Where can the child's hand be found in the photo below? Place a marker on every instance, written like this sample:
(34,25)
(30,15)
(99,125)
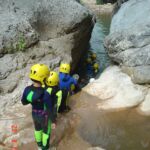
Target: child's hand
(53,126)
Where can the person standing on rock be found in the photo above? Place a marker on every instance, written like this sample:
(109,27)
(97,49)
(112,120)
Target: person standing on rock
(92,65)
(89,67)
(95,68)
(53,92)
(42,113)
(65,82)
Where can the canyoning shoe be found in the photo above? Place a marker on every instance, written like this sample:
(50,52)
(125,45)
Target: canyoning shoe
(39,145)
(45,148)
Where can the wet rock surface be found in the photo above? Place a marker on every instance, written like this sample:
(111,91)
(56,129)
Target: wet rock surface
(128,42)
(86,127)
(67,135)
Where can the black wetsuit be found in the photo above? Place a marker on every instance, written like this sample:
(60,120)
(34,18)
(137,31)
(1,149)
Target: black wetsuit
(42,112)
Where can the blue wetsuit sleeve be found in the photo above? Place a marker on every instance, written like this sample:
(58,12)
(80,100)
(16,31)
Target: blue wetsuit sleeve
(23,99)
(47,101)
(29,96)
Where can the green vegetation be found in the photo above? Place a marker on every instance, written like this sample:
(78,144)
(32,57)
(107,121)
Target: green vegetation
(21,43)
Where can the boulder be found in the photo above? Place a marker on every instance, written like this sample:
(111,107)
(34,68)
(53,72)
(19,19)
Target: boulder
(35,31)
(116,90)
(24,23)
(128,43)
(144,108)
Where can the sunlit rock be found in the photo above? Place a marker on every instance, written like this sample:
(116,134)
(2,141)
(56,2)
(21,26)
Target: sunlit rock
(145,106)
(115,89)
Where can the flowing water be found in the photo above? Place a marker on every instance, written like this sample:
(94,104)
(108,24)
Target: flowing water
(100,30)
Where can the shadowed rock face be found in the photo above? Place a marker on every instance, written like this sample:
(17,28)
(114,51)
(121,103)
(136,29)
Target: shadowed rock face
(36,31)
(128,43)
(118,5)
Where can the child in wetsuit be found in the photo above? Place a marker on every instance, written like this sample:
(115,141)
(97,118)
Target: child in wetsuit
(53,91)
(65,82)
(42,112)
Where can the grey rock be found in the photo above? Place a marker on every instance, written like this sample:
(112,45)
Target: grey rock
(36,31)
(116,90)
(12,62)
(7,65)
(6,87)
(128,43)
(15,31)
(139,74)
(24,23)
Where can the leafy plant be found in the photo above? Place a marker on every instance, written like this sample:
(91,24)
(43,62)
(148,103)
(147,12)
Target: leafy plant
(21,43)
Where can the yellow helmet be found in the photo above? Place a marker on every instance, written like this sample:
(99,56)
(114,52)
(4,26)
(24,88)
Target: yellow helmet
(64,68)
(88,60)
(53,79)
(39,72)
(72,87)
(96,66)
(93,56)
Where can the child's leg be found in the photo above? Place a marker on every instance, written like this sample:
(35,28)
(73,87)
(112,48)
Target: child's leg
(46,133)
(67,103)
(38,129)
(62,107)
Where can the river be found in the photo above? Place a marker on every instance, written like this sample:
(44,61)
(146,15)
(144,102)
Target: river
(100,30)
